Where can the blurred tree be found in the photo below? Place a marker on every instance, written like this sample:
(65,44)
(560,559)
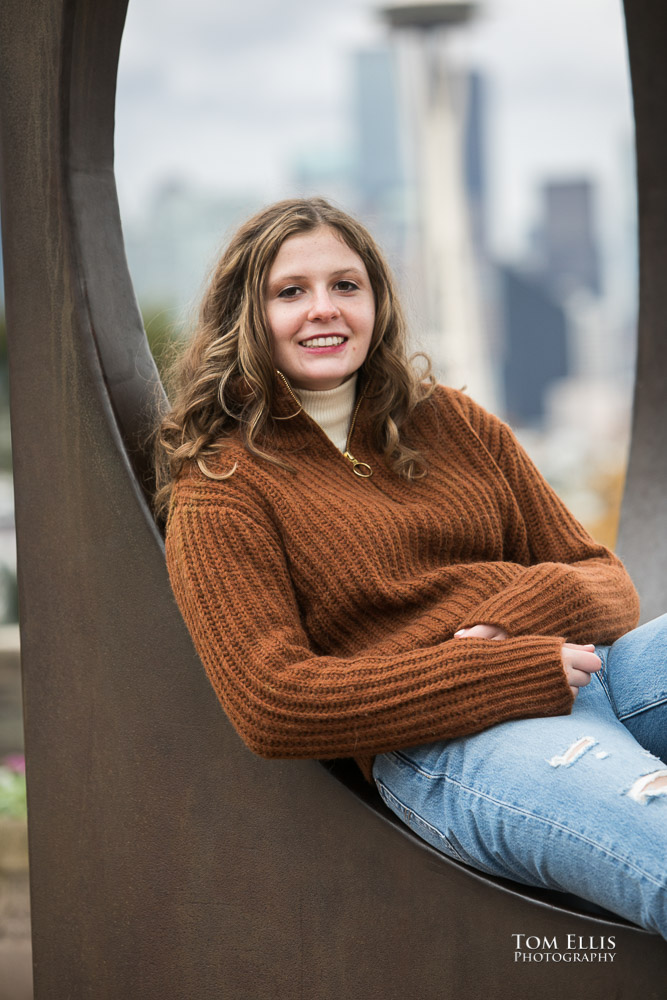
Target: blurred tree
(9,596)
(165,336)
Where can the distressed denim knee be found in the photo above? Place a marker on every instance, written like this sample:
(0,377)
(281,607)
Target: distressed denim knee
(571,803)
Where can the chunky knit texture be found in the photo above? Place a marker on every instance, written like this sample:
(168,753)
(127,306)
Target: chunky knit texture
(324,606)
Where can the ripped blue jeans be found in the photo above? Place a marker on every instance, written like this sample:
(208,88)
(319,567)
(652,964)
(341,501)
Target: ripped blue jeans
(576,803)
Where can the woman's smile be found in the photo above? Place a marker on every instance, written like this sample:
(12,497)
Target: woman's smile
(329,343)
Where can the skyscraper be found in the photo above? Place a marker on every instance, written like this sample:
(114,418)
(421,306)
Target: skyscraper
(567,238)
(535,344)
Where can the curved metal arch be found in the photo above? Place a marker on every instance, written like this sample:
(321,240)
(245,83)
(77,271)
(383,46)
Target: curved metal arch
(642,542)
(133,388)
(166,859)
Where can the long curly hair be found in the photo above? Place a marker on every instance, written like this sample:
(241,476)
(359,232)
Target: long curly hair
(223,383)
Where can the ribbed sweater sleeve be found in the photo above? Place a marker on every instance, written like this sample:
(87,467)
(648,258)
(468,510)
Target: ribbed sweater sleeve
(575,587)
(231,580)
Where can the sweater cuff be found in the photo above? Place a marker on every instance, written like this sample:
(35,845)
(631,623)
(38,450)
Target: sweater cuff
(535,603)
(529,676)
(530,683)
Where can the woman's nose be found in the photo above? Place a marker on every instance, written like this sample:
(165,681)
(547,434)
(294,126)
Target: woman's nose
(322,306)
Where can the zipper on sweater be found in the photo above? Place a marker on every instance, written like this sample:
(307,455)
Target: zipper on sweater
(359,468)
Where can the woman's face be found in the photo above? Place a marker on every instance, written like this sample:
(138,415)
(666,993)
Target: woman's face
(320,308)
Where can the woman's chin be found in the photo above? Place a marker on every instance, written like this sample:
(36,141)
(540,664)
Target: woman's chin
(320,377)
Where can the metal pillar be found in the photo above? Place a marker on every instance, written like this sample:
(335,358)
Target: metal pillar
(642,540)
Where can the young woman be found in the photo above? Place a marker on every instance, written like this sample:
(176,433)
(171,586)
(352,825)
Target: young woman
(370,566)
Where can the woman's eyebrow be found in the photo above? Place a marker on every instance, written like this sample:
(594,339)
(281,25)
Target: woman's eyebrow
(349,270)
(287,279)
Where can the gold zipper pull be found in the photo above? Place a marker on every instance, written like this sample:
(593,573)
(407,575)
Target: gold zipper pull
(359,468)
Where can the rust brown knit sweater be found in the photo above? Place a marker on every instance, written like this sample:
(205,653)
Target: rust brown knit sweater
(323,606)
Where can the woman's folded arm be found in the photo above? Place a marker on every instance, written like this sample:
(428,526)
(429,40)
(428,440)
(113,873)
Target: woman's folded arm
(231,581)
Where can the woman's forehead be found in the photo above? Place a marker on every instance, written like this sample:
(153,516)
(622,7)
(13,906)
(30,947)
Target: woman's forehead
(320,248)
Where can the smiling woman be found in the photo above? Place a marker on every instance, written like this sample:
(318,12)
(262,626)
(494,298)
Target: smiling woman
(371,567)
(297,273)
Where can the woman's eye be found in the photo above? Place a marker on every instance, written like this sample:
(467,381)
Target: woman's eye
(347,286)
(289,293)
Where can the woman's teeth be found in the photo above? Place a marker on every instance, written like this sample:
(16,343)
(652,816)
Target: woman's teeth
(323,342)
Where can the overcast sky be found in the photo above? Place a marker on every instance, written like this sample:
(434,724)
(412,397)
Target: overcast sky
(227,94)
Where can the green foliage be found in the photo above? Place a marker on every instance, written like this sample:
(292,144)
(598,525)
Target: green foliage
(164,336)
(9,596)
(12,793)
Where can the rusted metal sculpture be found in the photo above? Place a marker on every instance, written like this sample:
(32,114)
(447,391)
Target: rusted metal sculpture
(166,860)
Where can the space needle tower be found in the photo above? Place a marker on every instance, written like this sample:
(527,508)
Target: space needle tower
(447,268)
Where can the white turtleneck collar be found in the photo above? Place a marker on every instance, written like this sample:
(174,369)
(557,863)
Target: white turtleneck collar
(331,409)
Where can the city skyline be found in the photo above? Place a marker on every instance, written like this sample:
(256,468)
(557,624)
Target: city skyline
(231,100)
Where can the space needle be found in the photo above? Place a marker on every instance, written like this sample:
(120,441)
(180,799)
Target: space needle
(447,267)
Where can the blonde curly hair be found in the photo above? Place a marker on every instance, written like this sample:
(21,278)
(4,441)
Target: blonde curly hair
(223,382)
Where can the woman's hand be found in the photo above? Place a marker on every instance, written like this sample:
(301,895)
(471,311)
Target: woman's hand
(481,632)
(579,662)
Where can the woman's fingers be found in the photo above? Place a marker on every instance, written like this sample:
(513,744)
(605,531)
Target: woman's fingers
(481,632)
(580,657)
(579,663)
(577,678)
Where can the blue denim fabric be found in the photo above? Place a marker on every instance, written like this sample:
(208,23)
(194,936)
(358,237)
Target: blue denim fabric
(510,802)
